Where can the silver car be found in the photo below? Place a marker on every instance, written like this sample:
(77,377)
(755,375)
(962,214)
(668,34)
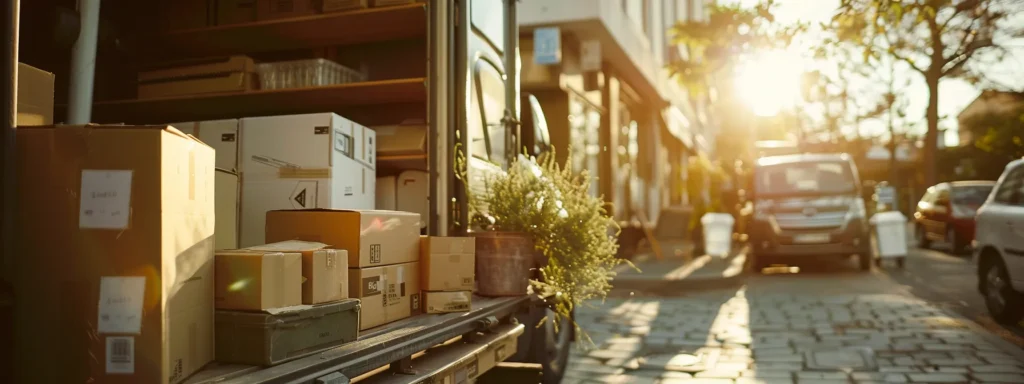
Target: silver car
(999,246)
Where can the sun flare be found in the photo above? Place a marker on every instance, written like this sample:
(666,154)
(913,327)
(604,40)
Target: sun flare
(770,82)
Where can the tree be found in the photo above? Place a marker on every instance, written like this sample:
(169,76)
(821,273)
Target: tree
(936,38)
(1000,134)
(714,47)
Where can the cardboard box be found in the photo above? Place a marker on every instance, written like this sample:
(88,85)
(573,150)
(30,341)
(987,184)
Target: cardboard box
(283,9)
(222,135)
(387,293)
(372,238)
(114,274)
(176,15)
(35,96)
(344,5)
(198,76)
(324,271)
(447,302)
(226,208)
(255,279)
(301,162)
(403,139)
(236,11)
(448,263)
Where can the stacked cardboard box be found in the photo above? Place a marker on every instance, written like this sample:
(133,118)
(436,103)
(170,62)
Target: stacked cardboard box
(114,277)
(280,301)
(383,255)
(303,161)
(448,273)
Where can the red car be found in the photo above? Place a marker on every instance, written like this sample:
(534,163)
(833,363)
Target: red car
(946,213)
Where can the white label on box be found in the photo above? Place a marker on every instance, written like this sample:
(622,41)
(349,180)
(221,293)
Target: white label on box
(106,199)
(121,355)
(120,308)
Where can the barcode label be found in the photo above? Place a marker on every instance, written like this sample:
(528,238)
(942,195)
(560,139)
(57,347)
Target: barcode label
(121,355)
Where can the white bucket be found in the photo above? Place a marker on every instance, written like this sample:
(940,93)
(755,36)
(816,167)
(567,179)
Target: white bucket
(891,233)
(717,233)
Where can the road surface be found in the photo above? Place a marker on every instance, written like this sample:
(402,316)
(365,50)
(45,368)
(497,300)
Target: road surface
(812,324)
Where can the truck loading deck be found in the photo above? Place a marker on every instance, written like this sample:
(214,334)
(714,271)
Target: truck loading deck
(490,322)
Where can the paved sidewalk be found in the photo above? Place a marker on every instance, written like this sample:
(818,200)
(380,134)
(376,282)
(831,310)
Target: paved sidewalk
(739,337)
(675,273)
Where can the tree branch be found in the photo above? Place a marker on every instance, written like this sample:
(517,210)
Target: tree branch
(898,56)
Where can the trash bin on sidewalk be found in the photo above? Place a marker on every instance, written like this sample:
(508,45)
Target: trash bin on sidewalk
(717,233)
(891,236)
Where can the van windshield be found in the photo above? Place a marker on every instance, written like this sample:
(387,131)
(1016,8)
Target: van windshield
(805,178)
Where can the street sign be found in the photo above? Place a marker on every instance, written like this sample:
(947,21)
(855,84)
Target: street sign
(590,56)
(547,46)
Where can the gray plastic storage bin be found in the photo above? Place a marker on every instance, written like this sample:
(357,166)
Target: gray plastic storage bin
(279,335)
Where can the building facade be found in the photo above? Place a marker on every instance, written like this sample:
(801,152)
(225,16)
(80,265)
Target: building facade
(598,69)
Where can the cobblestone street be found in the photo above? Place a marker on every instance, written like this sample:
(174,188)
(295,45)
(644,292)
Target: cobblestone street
(835,327)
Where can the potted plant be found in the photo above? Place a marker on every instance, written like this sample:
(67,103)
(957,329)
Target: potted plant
(573,239)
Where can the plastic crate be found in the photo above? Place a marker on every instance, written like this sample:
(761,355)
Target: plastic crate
(306,73)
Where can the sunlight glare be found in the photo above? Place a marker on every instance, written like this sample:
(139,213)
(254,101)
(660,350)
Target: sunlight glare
(770,82)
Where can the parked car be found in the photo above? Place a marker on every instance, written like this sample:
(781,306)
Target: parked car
(999,248)
(946,213)
(808,206)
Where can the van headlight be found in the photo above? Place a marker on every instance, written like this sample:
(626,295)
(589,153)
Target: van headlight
(857,210)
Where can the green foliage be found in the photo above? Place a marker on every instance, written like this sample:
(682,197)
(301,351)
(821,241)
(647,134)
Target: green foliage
(728,35)
(571,228)
(935,38)
(999,134)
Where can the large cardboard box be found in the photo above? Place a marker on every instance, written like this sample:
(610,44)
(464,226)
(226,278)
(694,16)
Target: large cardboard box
(448,263)
(300,162)
(35,96)
(114,274)
(372,238)
(222,135)
(387,293)
(447,302)
(324,271)
(257,279)
(226,201)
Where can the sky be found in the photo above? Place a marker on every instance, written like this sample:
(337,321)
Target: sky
(954,94)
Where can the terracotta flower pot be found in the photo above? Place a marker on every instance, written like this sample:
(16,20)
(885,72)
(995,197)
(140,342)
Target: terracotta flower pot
(504,263)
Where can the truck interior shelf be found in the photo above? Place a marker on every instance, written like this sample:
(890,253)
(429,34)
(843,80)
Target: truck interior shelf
(364,102)
(376,347)
(329,29)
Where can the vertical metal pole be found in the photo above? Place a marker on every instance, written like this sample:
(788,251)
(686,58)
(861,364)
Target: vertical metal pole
(512,142)
(9,86)
(459,109)
(83,64)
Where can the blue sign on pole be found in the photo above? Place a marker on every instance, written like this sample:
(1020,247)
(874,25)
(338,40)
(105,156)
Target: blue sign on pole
(547,46)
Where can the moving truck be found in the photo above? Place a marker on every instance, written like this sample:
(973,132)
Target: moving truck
(443,69)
